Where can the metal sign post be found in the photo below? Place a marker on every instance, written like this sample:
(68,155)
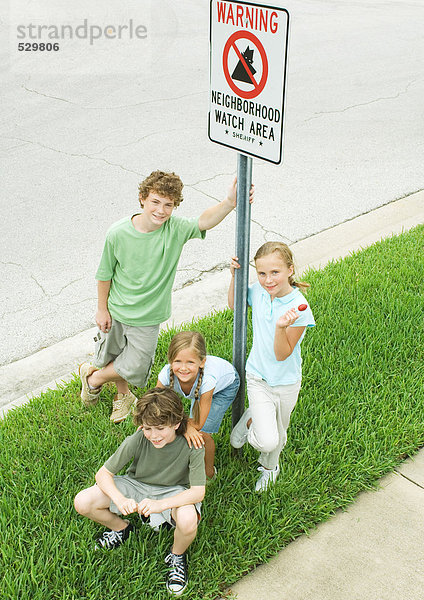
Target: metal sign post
(241,283)
(248,59)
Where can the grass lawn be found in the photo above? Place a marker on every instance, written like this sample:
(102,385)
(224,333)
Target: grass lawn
(360,412)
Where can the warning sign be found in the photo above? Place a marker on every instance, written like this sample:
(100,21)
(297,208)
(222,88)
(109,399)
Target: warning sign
(248,57)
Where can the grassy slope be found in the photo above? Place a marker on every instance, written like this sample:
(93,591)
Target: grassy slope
(360,412)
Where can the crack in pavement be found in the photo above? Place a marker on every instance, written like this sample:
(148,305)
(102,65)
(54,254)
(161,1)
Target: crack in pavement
(330,112)
(74,154)
(409,479)
(209,179)
(140,139)
(46,294)
(215,269)
(111,107)
(265,230)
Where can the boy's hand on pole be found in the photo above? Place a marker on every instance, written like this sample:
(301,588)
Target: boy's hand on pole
(103,320)
(232,193)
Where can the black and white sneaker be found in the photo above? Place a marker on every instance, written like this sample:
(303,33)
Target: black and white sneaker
(110,540)
(177,578)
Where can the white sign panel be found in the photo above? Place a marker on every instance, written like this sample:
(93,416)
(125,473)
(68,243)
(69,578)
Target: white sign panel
(248,57)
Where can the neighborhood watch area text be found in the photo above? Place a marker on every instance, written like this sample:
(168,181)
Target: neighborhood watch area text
(247,108)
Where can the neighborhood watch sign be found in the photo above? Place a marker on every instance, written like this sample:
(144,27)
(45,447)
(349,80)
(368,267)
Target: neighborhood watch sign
(248,57)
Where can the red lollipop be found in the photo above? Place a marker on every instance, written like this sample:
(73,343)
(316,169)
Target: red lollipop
(302,307)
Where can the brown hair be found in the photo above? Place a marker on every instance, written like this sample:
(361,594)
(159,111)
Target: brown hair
(196,342)
(160,406)
(168,185)
(286,255)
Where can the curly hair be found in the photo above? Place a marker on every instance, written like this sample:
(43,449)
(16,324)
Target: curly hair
(168,185)
(160,406)
(286,256)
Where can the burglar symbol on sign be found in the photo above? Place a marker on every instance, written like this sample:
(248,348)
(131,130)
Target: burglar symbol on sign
(240,72)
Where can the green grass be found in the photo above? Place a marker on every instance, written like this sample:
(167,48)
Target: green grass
(361,411)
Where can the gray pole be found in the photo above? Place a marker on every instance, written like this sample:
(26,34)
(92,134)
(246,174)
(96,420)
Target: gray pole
(244,181)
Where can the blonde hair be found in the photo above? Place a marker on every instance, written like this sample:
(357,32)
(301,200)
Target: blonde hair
(196,342)
(160,406)
(286,256)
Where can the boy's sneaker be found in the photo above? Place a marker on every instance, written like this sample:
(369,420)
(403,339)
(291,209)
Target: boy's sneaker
(121,406)
(89,396)
(267,478)
(177,578)
(110,540)
(238,435)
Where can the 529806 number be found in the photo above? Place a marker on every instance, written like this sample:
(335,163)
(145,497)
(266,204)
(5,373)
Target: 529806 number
(38,47)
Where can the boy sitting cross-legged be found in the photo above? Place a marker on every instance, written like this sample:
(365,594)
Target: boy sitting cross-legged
(166,479)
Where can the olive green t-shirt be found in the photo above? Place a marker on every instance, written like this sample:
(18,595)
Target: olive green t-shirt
(142,266)
(174,464)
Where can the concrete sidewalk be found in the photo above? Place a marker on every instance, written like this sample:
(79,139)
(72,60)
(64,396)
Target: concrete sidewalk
(372,551)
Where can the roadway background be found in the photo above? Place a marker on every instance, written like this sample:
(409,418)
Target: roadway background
(79,134)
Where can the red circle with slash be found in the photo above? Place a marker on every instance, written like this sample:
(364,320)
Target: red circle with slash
(258,86)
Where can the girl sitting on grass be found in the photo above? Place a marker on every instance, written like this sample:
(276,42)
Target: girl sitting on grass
(209,381)
(280,316)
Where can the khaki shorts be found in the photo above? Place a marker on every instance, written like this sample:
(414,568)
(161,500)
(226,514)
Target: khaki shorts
(131,349)
(137,490)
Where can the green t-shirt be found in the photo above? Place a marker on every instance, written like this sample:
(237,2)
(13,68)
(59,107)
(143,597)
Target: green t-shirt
(141,267)
(174,464)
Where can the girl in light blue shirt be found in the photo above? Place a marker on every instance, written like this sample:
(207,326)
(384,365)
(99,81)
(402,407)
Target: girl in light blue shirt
(280,316)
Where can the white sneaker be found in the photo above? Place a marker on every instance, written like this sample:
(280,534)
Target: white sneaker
(268,476)
(238,435)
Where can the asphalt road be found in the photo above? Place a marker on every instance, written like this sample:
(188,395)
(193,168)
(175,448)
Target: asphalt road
(80,128)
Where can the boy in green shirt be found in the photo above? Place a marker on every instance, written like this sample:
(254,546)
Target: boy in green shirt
(166,479)
(135,278)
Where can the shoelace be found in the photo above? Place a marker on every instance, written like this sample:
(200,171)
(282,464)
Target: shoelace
(266,472)
(117,404)
(177,570)
(110,537)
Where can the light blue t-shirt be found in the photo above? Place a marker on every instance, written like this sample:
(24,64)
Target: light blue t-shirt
(218,374)
(265,314)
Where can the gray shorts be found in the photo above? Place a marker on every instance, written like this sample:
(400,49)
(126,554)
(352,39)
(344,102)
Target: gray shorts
(131,349)
(137,490)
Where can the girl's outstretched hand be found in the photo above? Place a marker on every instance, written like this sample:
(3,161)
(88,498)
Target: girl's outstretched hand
(288,318)
(194,437)
(234,264)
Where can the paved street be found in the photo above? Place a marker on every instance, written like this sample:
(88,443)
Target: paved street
(79,133)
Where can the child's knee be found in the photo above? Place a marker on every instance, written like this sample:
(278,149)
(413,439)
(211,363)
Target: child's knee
(186,519)
(83,503)
(267,443)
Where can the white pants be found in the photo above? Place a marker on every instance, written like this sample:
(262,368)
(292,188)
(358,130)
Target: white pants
(270,408)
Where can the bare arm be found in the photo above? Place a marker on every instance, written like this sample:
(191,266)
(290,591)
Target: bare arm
(104,480)
(286,337)
(193,435)
(194,494)
(215,214)
(103,318)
